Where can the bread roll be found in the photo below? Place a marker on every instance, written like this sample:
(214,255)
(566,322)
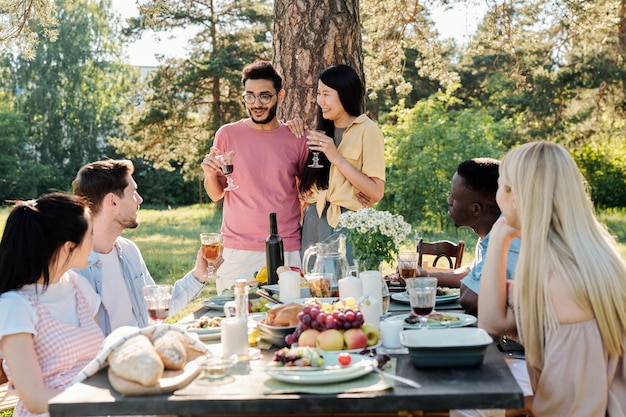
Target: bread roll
(137,360)
(172,348)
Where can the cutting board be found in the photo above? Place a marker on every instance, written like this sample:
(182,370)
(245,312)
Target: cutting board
(169,382)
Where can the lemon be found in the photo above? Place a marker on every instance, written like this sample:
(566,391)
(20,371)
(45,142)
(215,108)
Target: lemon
(261,276)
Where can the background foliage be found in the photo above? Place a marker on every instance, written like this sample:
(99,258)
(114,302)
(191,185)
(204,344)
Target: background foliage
(535,69)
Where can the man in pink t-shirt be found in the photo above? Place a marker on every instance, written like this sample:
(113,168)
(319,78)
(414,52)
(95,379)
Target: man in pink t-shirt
(267,162)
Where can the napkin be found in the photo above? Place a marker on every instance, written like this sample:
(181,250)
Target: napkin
(120,335)
(256,382)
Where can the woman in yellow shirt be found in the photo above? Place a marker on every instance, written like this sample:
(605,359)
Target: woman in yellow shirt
(351,152)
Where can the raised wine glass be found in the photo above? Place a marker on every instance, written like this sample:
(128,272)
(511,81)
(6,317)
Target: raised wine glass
(227,169)
(211,245)
(157,298)
(422,293)
(316,155)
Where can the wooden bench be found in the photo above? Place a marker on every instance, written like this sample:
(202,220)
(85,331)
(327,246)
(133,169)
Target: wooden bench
(7,400)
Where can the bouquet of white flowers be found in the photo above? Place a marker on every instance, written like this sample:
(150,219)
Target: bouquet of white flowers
(376,236)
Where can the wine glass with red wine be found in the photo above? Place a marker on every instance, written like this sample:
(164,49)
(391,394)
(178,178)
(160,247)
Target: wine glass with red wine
(227,169)
(422,293)
(211,245)
(157,298)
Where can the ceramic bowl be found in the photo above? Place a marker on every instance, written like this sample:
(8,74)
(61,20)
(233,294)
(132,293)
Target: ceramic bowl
(275,334)
(457,347)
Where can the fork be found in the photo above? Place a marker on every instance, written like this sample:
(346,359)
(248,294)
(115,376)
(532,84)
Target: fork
(402,379)
(382,363)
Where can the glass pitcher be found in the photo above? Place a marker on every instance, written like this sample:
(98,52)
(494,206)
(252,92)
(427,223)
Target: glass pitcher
(330,258)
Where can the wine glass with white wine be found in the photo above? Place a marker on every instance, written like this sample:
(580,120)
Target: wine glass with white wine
(211,245)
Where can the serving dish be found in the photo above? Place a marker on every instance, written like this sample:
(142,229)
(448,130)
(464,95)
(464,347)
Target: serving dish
(462,347)
(275,334)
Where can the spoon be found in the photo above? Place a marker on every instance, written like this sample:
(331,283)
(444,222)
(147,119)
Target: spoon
(265,295)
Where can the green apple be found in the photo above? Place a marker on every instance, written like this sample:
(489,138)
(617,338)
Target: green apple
(372,333)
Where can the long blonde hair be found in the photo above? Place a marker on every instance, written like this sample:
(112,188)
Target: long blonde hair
(562,236)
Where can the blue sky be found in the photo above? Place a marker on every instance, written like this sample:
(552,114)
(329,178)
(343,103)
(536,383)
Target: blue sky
(458,23)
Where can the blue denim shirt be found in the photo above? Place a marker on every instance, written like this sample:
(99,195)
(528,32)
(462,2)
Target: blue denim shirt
(136,276)
(472,279)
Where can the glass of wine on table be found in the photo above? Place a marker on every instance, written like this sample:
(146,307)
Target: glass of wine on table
(422,293)
(227,169)
(157,298)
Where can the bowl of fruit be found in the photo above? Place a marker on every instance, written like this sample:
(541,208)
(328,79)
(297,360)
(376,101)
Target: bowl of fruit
(339,326)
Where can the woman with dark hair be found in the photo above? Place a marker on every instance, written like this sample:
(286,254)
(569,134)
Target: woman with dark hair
(351,152)
(47,327)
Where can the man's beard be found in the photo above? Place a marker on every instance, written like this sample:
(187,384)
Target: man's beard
(129,223)
(268,119)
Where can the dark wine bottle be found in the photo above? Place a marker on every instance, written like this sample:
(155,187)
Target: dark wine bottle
(274,254)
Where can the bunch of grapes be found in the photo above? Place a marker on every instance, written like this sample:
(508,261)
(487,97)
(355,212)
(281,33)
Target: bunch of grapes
(323,318)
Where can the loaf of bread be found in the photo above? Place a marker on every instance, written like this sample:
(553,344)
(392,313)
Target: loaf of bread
(172,348)
(137,360)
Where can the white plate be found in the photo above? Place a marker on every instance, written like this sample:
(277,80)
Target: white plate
(214,333)
(359,366)
(337,352)
(464,320)
(403,297)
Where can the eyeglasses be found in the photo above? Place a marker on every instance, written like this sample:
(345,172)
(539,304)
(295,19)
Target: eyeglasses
(264,98)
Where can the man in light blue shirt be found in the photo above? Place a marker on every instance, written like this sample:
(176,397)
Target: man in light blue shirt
(472,203)
(116,269)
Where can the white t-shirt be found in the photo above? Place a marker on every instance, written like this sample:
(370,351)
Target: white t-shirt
(17,314)
(115,297)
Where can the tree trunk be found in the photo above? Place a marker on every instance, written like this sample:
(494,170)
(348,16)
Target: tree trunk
(309,36)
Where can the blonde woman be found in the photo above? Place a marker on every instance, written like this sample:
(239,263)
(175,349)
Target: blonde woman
(568,301)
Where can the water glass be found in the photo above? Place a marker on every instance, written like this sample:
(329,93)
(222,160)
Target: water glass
(157,298)
(407,264)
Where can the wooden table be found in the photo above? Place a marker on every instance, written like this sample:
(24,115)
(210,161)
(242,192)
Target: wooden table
(489,386)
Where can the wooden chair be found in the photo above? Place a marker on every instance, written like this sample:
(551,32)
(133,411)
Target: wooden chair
(441,249)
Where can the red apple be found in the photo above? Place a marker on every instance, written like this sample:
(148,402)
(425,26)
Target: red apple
(331,339)
(308,338)
(355,339)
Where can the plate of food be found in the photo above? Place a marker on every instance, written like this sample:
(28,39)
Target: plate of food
(437,320)
(207,328)
(307,366)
